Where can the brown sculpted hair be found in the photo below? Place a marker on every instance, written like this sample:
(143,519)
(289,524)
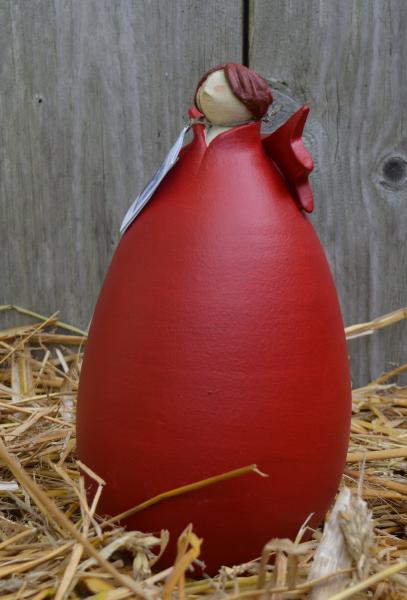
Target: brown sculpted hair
(247,85)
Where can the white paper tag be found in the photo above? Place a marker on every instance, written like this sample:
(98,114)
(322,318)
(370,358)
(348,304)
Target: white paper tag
(167,164)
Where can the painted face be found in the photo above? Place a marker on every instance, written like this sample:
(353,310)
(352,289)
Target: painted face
(218,103)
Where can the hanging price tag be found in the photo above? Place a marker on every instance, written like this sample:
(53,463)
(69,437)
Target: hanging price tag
(167,164)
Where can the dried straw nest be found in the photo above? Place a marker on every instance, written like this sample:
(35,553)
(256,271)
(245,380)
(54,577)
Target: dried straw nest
(52,544)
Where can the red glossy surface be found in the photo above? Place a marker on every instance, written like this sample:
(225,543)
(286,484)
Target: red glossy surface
(217,342)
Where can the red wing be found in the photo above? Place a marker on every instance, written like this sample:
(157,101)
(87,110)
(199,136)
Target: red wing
(284,146)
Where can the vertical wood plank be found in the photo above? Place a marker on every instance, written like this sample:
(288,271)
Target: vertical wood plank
(347,60)
(92,95)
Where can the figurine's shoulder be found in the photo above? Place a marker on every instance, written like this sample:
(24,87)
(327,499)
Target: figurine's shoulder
(284,146)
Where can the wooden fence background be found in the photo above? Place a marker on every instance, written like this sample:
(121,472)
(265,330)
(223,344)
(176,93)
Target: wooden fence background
(93,93)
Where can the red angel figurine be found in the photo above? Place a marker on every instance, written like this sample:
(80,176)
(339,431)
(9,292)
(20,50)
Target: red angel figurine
(217,340)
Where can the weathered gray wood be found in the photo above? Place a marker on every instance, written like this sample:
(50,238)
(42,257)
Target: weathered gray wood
(347,60)
(92,94)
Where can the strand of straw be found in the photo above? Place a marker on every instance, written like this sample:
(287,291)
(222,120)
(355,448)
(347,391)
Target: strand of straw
(373,579)
(370,326)
(376,455)
(190,487)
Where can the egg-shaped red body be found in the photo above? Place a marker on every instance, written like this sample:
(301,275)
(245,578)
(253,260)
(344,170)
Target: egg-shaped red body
(217,342)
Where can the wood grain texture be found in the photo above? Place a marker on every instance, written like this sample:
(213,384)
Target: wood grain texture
(92,96)
(93,93)
(347,60)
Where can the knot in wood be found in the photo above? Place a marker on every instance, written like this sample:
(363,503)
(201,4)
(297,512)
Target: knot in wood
(393,172)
